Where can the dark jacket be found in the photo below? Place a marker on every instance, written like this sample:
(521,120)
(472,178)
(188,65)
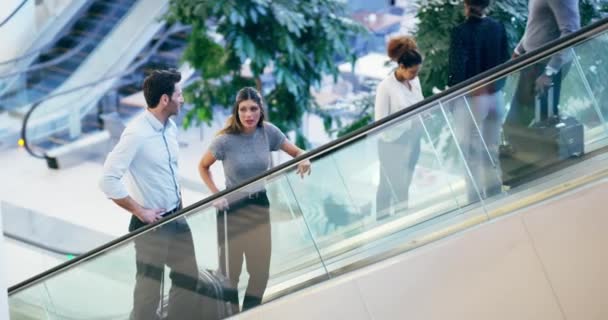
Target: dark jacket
(477,45)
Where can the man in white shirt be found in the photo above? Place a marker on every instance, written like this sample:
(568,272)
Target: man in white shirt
(147,152)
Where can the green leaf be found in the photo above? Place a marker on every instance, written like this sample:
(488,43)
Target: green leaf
(299,39)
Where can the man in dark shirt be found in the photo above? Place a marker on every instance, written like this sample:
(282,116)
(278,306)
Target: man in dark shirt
(477,45)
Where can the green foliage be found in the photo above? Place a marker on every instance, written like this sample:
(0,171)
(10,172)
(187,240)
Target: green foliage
(592,10)
(513,14)
(364,120)
(364,106)
(438,18)
(300,40)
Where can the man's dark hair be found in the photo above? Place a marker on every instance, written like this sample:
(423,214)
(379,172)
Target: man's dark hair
(479,3)
(477,7)
(160,82)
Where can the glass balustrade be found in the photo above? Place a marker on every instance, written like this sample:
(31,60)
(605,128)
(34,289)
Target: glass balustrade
(414,179)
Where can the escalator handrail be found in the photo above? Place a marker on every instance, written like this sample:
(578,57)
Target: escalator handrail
(482,79)
(7,19)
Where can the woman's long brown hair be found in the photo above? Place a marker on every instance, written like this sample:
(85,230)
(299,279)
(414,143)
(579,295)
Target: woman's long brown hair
(233,124)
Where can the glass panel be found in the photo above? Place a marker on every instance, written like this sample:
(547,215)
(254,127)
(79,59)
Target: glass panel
(294,253)
(577,102)
(109,277)
(387,183)
(423,176)
(33,304)
(477,124)
(194,252)
(547,126)
(325,200)
(592,67)
(440,131)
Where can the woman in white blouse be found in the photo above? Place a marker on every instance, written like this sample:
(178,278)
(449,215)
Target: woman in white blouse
(398,145)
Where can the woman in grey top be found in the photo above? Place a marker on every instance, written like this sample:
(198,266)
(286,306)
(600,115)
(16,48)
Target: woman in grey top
(244,147)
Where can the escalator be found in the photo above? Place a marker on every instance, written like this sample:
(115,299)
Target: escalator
(67,53)
(103,41)
(324,226)
(163,51)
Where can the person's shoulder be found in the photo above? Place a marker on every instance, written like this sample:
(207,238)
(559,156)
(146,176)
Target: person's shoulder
(458,29)
(387,81)
(271,127)
(138,126)
(222,137)
(417,84)
(417,81)
(494,23)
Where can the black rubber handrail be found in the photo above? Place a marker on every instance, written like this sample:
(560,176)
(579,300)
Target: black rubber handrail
(480,80)
(6,20)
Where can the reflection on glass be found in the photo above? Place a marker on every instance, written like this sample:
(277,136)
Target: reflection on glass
(412,181)
(477,120)
(398,154)
(592,117)
(591,64)
(325,200)
(548,120)
(32,304)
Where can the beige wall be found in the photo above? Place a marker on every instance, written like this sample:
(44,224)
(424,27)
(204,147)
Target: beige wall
(545,262)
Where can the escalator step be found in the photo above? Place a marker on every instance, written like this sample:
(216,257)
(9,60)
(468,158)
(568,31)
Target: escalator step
(49,83)
(59,70)
(172,57)
(38,91)
(103,17)
(47,75)
(115,9)
(68,65)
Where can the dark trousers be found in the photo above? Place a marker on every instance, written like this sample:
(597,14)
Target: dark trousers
(397,163)
(523,105)
(247,222)
(169,245)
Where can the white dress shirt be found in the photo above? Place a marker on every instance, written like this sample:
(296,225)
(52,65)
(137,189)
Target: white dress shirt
(148,152)
(391,96)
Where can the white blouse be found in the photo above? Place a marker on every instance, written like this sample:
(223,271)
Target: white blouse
(392,96)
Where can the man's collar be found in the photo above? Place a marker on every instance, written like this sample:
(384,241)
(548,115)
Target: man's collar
(153,121)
